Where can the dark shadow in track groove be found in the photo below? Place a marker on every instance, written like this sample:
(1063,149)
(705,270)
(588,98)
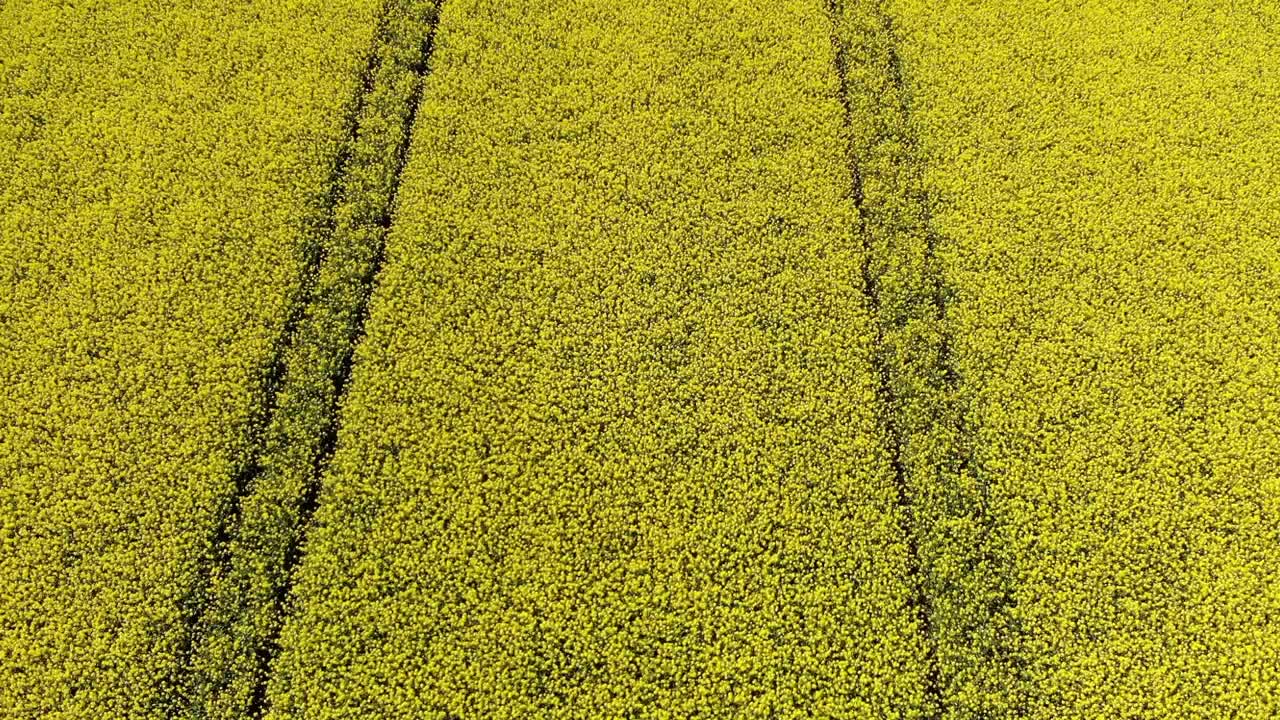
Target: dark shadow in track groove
(963,617)
(230,647)
(919,600)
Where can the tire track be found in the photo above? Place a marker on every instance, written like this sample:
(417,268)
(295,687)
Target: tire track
(234,640)
(964,597)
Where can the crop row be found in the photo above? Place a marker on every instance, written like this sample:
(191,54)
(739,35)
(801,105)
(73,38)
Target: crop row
(161,192)
(613,443)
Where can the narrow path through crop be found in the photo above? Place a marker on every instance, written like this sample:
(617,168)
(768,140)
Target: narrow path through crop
(234,640)
(920,601)
(893,432)
(962,588)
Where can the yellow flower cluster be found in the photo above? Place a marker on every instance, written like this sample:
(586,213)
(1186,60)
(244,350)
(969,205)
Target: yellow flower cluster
(1103,180)
(163,168)
(613,443)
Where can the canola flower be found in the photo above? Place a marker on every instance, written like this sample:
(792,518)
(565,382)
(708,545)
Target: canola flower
(836,358)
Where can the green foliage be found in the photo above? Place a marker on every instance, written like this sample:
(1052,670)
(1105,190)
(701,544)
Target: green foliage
(612,446)
(160,192)
(1103,182)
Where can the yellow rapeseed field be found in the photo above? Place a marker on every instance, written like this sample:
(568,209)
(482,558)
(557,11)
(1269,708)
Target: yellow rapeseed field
(612,448)
(471,359)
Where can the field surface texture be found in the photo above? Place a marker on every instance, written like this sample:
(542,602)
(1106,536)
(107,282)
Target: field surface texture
(457,359)
(613,429)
